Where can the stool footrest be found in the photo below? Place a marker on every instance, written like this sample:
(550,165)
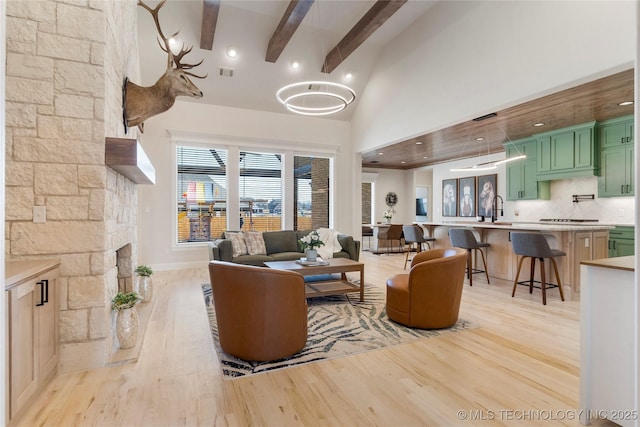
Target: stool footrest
(547,285)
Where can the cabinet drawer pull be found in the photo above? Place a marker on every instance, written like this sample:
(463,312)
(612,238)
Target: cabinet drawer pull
(46,290)
(628,139)
(609,244)
(622,189)
(42,299)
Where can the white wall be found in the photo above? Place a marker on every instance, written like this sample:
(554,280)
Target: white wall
(468,58)
(191,122)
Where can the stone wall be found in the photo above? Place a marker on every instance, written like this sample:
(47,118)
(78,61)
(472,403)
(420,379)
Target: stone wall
(65,65)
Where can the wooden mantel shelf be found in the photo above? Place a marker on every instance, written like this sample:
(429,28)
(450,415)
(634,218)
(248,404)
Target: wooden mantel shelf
(126,156)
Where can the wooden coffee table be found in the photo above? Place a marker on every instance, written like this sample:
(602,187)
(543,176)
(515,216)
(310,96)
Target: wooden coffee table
(326,287)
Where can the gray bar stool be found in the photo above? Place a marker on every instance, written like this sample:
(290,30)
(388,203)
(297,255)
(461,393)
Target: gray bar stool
(465,239)
(535,245)
(414,234)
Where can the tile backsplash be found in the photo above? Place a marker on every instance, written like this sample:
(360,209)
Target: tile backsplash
(613,210)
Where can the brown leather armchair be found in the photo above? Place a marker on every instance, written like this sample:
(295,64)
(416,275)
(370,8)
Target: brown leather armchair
(261,313)
(429,296)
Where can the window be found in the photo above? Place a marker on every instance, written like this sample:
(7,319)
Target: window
(311,192)
(201,193)
(205,188)
(260,191)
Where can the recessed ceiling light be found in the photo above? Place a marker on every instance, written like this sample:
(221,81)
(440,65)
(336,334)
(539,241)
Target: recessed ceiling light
(538,124)
(418,142)
(173,42)
(232,52)
(380,153)
(479,138)
(425,157)
(348,76)
(295,64)
(624,103)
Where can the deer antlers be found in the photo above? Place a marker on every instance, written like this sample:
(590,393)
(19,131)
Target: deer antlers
(165,46)
(140,103)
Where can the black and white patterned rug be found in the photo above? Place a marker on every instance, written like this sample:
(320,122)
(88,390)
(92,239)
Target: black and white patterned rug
(338,325)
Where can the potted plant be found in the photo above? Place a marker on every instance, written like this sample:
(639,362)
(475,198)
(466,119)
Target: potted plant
(309,244)
(126,318)
(144,285)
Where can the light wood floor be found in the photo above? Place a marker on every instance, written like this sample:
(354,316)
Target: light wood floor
(519,366)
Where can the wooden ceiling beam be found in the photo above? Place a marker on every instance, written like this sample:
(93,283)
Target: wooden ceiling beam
(210,9)
(368,24)
(293,16)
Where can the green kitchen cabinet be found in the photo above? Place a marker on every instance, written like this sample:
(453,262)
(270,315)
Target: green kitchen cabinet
(616,132)
(522,182)
(621,241)
(616,174)
(616,158)
(567,153)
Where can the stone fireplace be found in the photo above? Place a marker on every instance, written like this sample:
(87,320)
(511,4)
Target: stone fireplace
(66,62)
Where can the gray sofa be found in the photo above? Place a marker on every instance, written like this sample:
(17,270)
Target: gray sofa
(281,246)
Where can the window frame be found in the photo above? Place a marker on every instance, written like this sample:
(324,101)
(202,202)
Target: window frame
(233,149)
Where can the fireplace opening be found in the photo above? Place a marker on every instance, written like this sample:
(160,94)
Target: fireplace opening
(125,269)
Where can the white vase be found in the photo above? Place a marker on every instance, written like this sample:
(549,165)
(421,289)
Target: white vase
(311,255)
(127,327)
(145,288)
(387,220)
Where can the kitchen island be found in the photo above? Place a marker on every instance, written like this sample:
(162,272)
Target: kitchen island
(580,241)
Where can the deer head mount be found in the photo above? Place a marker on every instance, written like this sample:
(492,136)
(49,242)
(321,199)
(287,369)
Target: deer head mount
(140,103)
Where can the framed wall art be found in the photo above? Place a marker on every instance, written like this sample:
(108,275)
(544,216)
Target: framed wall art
(487,190)
(467,196)
(449,197)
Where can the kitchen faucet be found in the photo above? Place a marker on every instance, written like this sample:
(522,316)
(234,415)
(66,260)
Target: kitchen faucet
(494,208)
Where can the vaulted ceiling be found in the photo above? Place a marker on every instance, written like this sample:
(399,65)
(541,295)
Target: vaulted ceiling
(330,39)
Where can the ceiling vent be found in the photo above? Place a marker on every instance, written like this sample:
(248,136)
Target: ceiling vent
(225,72)
(485,117)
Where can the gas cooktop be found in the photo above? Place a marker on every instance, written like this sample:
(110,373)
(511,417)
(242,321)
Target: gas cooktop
(569,220)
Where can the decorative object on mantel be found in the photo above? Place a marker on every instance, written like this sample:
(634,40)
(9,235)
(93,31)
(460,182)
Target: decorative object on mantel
(310,243)
(144,284)
(140,103)
(582,197)
(126,319)
(126,156)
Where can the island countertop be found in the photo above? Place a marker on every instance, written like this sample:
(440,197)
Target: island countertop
(530,226)
(626,263)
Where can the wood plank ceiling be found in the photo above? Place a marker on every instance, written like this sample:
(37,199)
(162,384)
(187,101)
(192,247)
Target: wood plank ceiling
(594,101)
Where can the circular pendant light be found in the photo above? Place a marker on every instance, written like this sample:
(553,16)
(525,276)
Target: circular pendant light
(315,98)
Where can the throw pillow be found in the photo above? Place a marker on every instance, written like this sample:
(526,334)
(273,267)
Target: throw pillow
(238,243)
(255,243)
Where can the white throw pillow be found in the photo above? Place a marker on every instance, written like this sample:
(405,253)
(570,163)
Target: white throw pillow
(255,243)
(237,242)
